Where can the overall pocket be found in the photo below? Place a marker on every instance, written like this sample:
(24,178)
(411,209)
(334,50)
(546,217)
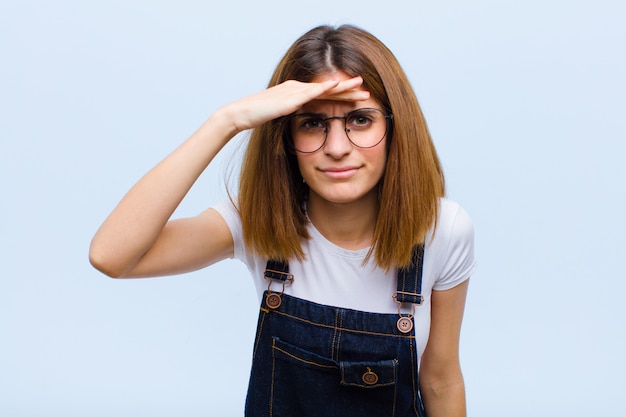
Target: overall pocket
(307,384)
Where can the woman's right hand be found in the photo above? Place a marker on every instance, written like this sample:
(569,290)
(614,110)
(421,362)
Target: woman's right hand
(287,97)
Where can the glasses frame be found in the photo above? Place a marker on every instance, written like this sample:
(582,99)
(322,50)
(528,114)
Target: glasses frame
(388,118)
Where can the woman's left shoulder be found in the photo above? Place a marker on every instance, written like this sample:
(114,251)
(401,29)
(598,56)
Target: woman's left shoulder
(453,220)
(451,248)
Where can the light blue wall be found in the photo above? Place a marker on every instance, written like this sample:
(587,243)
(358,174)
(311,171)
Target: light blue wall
(525,101)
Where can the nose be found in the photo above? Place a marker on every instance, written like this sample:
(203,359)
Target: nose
(337,142)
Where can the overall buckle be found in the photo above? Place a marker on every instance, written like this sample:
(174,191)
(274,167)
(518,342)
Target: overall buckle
(405,323)
(274,299)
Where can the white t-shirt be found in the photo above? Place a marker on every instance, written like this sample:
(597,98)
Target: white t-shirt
(335,276)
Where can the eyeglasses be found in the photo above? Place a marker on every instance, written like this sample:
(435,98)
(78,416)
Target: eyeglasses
(365,128)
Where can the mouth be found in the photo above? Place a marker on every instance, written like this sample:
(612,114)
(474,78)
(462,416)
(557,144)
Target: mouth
(340,173)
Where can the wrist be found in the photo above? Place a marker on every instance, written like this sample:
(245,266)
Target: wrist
(225,118)
(220,126)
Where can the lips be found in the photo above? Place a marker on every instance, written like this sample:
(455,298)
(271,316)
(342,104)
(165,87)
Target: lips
(340,172)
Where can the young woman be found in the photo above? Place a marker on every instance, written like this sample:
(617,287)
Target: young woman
(360,262)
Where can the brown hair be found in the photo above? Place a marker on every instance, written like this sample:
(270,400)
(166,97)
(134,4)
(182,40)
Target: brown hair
(271,191)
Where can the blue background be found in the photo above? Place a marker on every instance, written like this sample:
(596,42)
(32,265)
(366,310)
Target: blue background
(525,101)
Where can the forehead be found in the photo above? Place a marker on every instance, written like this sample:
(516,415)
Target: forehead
(336,107)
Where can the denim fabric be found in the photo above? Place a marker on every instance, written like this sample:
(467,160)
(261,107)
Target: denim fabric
(320,361)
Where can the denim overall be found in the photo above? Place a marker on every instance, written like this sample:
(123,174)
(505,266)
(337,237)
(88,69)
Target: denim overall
(322,361)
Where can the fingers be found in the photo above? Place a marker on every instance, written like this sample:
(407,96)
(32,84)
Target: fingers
(347,90)
(350,95)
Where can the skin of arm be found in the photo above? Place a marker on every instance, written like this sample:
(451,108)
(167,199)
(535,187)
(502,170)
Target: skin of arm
(138,239)
(441,380)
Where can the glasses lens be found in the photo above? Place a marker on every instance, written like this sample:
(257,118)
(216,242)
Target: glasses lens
(308,131)
(365,128)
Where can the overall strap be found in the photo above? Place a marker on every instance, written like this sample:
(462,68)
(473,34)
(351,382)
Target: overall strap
(409,286)
(410,279)
(277,270)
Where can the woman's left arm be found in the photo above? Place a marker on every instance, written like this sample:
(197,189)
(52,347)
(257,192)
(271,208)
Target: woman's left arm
(441,380)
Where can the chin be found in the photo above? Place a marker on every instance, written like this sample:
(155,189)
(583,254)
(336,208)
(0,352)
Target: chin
(343,196)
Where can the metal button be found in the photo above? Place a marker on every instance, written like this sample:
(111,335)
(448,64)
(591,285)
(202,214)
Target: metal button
(369,377)
(405,324)
(273,300)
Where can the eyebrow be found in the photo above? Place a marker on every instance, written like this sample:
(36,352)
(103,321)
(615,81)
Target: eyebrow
(325,115)
(308,114)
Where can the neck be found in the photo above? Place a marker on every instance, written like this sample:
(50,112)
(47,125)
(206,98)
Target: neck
(348,225)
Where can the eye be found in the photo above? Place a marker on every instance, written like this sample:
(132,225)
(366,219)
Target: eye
(310,124)
(360,120)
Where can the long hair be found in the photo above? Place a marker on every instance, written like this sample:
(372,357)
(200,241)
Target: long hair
(272,194)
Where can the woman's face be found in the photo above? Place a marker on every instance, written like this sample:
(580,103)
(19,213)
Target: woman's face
(340,172)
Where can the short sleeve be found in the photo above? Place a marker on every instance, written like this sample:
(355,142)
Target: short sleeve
(457,259)
(229,213)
